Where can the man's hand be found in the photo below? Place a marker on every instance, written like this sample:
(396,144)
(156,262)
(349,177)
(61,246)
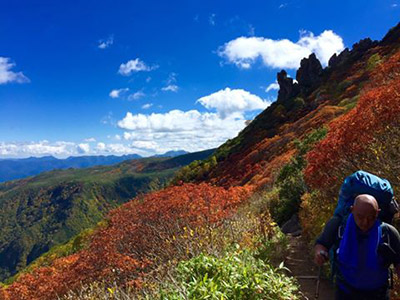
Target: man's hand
(321,254)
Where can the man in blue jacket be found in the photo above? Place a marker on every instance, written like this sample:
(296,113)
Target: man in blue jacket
(363,251)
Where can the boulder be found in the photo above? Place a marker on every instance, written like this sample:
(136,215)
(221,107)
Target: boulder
(292,226)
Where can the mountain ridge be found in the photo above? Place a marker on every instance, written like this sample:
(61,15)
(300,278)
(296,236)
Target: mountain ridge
(16,168)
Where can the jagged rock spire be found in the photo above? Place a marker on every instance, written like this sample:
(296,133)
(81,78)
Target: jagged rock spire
(309,74)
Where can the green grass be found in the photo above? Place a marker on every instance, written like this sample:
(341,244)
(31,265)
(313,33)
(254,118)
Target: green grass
(237,275)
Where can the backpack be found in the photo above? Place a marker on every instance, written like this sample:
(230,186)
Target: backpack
(358,183)
(362,182)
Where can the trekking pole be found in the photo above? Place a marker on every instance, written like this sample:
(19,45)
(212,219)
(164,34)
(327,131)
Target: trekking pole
(318,280)
(325,254)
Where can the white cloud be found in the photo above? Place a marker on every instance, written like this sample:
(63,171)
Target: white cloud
(172,88)
(176,129)
(282,54)
(136,96)
(89,140)
(122,93)
(211,19)
(191,130)
(394,5)
(117,137)
(108,119)
(101,146)
(149,145)
(135,65)
(148,79)
(83,148)
(170,83)
(62,149)
(228,102)
(172,78)
(147,105)
(8,76)
(272,86)
(118,93)
(252,30)
(283,5)
(41,148)
(104,44)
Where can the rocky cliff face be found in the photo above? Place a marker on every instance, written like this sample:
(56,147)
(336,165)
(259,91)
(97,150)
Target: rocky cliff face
(308,77)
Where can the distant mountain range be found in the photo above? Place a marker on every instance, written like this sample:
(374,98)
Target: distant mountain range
(11,169)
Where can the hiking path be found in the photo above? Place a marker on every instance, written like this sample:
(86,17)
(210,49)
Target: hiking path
(300,262)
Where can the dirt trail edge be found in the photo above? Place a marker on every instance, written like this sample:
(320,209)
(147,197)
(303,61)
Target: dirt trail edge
(300,263)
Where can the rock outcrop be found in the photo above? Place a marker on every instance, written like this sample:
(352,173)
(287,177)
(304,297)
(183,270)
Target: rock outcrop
(347,56)
(287,89)
(309,75)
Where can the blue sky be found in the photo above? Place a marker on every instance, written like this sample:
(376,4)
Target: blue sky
(115,77)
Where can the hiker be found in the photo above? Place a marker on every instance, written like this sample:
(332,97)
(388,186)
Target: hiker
(361,261)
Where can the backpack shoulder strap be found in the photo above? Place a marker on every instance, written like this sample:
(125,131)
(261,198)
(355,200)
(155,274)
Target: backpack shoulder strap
(385,236)
(385,249)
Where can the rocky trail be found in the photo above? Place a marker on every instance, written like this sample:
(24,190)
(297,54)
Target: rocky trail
(300,262)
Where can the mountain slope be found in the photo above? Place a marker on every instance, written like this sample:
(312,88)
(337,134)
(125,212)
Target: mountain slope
(46,210)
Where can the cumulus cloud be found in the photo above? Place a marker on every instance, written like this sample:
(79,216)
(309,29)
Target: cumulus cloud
(170,88)
(104,44)
(118,93)
(228,102)
(7,75)
(176,129)
(191,130)
(282,54)
(135,65)
(272,86)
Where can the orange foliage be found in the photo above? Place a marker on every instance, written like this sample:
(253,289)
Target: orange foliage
(132,243)
(259,164)
(378,107)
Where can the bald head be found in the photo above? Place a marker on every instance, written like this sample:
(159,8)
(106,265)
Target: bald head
(367,201)
(365,211)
